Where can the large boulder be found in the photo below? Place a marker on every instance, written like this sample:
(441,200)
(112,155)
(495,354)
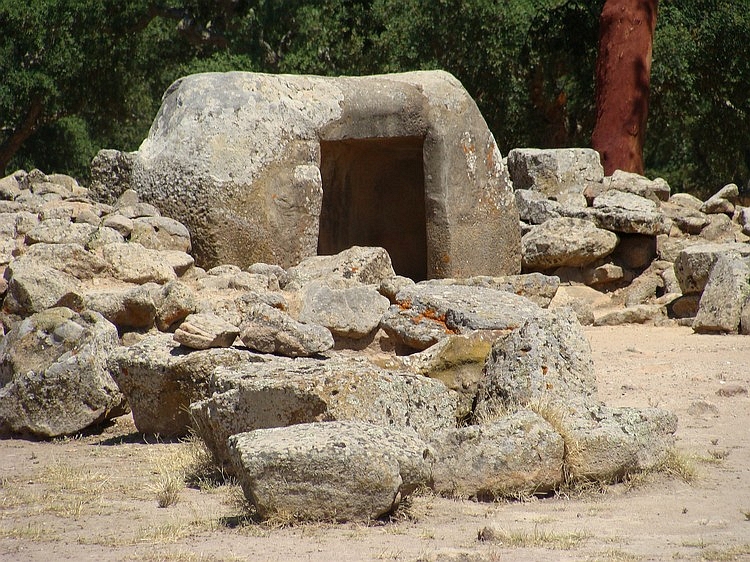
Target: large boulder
(160,379)
(53,375)
(335,471)
(515,454)
(280,392)
(274,168)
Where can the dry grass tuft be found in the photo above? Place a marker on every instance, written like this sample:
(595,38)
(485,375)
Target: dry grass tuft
(538,538)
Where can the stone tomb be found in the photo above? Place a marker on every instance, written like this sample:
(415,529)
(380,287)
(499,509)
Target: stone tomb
(277,168)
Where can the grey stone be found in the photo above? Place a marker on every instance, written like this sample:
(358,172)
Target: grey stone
(353,312)
(426,313)
(241,159)
(161,379)
(686,200)
(281,391)
(724,296)
(638,314)
(565,242)
(536,287)
(602,275)
(160,233)
(354,266)
(636,184)
(606,444)
(9,188)
(335,471)
(722,201)
(33,287)
(534,207)
(624,212)
(70,258)
(687,219)
(53,375)
(57,231)
(133,263)
(269,330)
(720,229)
(126,307)
(513,455)
(548,359)
(553,171)
(203,331)
(694,263)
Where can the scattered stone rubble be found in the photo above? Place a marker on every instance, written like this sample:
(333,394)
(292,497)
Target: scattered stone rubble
(334,388)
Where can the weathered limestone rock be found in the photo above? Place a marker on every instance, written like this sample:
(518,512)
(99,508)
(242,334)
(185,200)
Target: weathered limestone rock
(554,171)
(174,303)
(160,233)
(242,160)
(516,454)
(636,184)
(534,207)
(353,312)
(269,330)
(339,471)
(548,359)
(70,258)
(427,313)
(352,267)
(33,287)
(688,219)
(161,379)
(606,443)
(203,331)
(282,391)
(458,362)
(53,375)
(624,212)
(56,231)
(722,201)
(637,314)
(694,263)
(133,263)
(565,242)
(127,307)
(536,287)
(724,296)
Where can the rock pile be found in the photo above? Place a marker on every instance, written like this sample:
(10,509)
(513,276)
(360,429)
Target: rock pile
(334,388)
(654,255)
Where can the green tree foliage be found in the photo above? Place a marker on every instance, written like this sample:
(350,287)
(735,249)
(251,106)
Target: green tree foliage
(89,74)
(698,134)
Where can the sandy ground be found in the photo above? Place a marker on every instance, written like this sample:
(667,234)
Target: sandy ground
(95,497)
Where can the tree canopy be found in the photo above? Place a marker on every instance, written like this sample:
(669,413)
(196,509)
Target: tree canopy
(80,75)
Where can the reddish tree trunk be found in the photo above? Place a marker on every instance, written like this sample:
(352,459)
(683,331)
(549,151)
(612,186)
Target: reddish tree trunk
(623,71)
(24,130)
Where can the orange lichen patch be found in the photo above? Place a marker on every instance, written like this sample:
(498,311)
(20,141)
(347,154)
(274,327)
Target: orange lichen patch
(433,316)
(490,158)
(405,305)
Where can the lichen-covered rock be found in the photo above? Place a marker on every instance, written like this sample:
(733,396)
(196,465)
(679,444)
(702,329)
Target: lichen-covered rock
(160,379)
(355,266)
(565,242)
(203,331)
(353,312)
(519,453)
(236,157)
(724,296)
(548,359)
(694,263)
(335,471)
(133,263)
(426,313)
(34,287)
(281,391)
(269,330)
(553,171)
(53,375)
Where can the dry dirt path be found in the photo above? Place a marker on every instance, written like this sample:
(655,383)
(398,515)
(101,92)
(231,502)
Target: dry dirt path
(95,498)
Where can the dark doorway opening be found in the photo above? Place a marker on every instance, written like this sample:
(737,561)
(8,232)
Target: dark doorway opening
(373,195)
